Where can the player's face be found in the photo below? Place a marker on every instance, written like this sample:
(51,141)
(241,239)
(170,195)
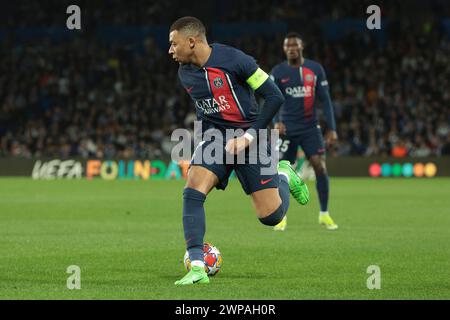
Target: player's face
(293,48)
(180,47)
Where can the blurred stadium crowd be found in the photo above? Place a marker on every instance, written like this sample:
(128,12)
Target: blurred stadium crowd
(81,98)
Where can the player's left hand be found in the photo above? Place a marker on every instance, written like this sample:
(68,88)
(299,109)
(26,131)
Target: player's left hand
(236,145)
(331,138)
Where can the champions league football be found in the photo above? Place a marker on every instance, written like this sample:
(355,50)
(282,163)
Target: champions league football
(212,258)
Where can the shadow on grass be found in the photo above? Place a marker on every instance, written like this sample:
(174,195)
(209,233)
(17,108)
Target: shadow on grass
(221,276)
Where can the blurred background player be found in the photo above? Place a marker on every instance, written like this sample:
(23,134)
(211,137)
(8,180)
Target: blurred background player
(302,81)
(221,81)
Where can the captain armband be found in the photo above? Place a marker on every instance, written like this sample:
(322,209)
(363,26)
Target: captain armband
(257,79)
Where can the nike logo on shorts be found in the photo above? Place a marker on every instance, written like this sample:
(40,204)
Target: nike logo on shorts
(266,181)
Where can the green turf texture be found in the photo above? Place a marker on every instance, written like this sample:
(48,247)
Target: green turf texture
(127,238)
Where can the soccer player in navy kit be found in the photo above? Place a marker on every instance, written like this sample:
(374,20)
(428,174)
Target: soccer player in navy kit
(302,82)
(221,81)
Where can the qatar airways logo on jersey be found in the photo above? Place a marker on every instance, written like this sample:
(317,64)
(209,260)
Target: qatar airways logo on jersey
(300,91)
(213,105)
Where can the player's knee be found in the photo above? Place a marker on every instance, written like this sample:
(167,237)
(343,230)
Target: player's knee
(199,181)
(266,201)
(196,184)
(319,166)
(274,218)
(320,170)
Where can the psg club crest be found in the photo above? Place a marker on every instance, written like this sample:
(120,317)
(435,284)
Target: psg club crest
(308,77)
(218,83)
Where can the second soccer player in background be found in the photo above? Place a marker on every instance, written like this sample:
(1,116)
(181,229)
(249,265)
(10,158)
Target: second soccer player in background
(302,81)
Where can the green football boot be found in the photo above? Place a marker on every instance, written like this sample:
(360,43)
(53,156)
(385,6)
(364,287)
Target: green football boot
(297,186)
(194,276)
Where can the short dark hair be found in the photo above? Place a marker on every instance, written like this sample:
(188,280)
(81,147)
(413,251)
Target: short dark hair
(293,35)
(189,24)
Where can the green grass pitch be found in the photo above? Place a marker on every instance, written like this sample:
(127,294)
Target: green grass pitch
(127,238)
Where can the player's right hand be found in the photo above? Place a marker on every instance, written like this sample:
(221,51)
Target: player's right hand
(331,138)
(280,127)
(236,145)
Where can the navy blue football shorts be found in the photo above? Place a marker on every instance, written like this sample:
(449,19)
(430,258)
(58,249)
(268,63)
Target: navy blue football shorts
(310,140)
(256,170)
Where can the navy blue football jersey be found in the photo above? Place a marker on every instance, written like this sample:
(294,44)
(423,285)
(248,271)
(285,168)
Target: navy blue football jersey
(301,86)
(221,90)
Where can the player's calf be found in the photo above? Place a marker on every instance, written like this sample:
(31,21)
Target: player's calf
(274,218)
(269,206)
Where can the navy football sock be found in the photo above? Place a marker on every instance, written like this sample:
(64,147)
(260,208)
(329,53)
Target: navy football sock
(283,189)
(322,185)
(194,222)
(274,218)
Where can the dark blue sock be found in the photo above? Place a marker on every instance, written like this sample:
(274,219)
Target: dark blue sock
(323,188)
(283,189)
(194,222)
(274,218)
